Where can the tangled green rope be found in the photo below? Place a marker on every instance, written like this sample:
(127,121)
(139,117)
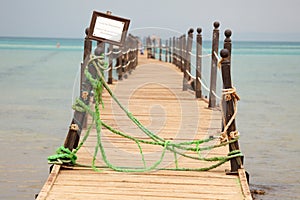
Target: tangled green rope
(65,156)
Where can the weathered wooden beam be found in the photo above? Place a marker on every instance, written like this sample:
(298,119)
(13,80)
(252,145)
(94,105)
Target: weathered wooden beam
(229,109)
(198,90)
(214,63)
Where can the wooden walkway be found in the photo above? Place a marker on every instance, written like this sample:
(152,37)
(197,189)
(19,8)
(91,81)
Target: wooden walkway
(153,93)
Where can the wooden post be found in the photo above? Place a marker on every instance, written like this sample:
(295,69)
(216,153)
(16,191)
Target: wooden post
(110,65)
(119,64)
(229,110)
(129,54)
(166,51)
(227,42)
(170,50)
(173,51)
(79,118)
(214,63)
(182,52)
(160,49)
(136,52)
(149,49)
(198,87)
(86,54)
(187,62)
(154,48)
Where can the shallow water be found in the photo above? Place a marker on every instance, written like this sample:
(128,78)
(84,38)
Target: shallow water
(37,91)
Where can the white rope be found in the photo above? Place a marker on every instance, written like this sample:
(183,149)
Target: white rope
(108,53)
(208,90)
(206,55)
(193,77)
(117,52)
(107,69)
(117,67)
(192,54)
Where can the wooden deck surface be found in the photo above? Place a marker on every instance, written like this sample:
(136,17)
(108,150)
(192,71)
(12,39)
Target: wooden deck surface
(153,93)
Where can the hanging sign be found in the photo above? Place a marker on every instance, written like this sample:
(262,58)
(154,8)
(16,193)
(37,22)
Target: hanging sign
(108,28)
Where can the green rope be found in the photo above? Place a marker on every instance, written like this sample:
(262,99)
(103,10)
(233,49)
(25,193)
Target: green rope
(63,156)
(98,83)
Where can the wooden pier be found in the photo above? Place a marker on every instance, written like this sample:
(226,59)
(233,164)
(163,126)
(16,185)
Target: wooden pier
(161,97)
(152,84)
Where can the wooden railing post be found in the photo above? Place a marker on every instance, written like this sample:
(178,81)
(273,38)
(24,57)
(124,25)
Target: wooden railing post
(110,64)
(136,52)
(187,62)
(149,48)
(154,48)
(86,53)
(170,50)
(166,51)
(182,52)
(227,42)
(79,118)
(214,63)
(229,110)
(160,49)
(198,88)
(119,64)
(173,51)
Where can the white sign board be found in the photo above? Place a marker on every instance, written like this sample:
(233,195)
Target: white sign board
(108,28)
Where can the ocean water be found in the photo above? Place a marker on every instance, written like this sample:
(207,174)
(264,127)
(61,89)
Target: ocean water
(37,81)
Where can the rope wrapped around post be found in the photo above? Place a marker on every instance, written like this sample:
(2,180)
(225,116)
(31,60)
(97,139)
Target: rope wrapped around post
(229,109)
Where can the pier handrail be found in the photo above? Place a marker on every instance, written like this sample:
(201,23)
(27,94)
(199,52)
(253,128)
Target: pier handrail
(180,54)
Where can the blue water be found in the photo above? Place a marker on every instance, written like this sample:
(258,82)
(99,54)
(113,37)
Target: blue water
(37,81)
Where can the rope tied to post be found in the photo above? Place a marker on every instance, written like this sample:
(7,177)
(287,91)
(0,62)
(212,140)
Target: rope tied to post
(228,95)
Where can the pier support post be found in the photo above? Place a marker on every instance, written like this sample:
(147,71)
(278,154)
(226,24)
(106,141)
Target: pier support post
(160,49)
(182,52)
(198,90)
(214,63)
(227,42)
(170,50)
(187,60)
(119,63)
(166,51)
(173,51)
(110,64)
(229,109)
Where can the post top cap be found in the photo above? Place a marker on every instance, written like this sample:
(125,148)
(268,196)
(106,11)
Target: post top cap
(191,30)
(87,30)
(224,53)
(216,24)
(199,30)
(228,33)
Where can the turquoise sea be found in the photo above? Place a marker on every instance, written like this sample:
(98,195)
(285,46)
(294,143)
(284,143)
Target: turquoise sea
(37,81)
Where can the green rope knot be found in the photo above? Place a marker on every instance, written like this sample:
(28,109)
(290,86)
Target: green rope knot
(63,156)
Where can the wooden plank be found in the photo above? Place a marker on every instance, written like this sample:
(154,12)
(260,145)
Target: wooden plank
(244,184)
(49,183)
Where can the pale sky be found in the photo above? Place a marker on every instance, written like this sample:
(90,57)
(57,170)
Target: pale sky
(249,20)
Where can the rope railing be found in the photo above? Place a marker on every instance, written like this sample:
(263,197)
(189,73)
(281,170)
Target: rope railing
(182,55)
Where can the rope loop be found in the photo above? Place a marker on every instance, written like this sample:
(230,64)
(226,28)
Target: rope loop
(229,93)
(63,156)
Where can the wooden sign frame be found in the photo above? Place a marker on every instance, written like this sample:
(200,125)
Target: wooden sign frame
(108,28)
